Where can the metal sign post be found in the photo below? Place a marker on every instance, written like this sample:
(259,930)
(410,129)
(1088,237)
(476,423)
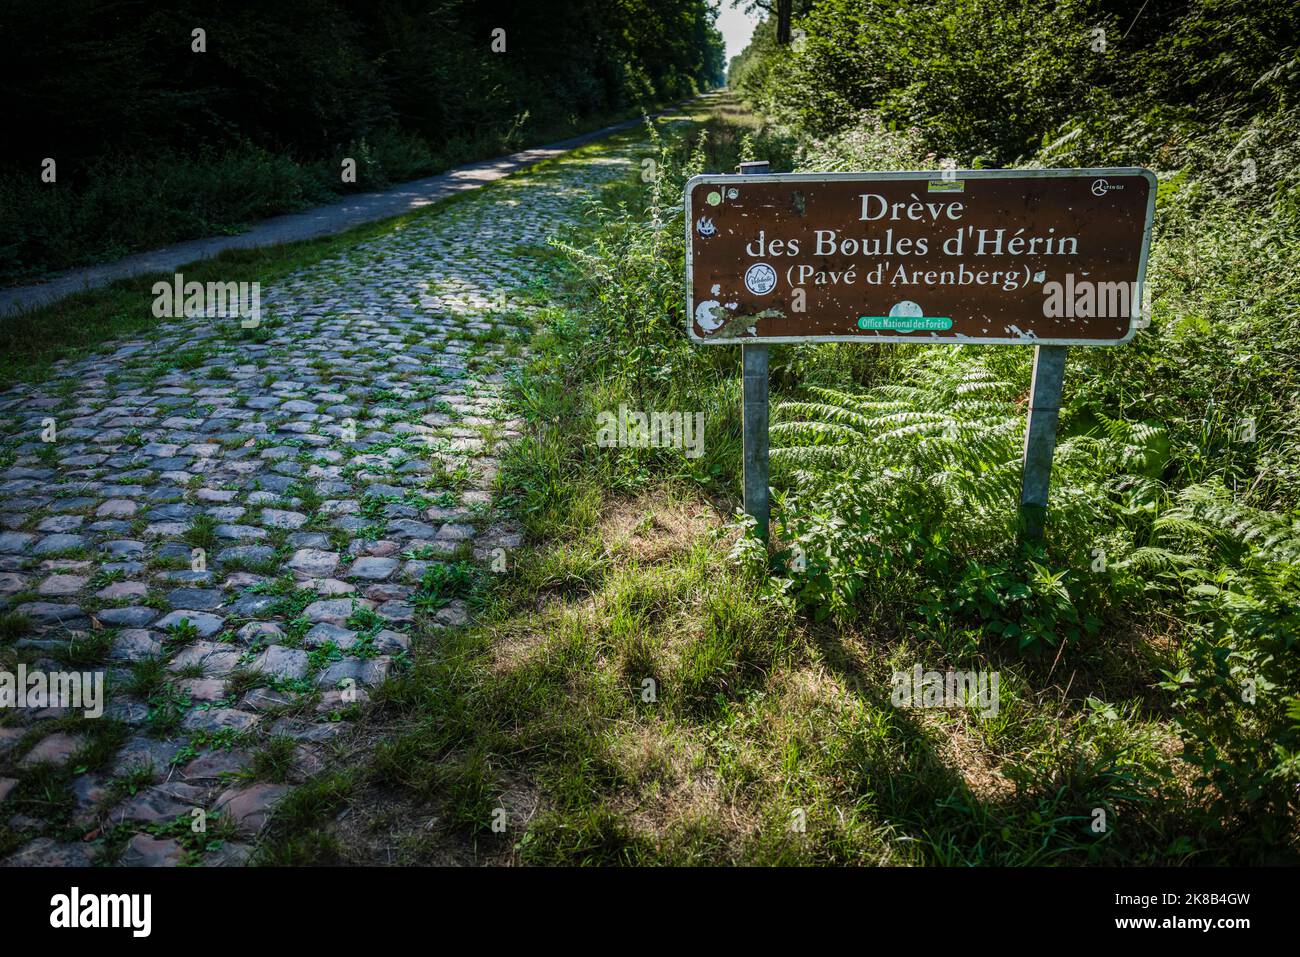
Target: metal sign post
(753,360)
(1043,257)
(754,377)
(1040,437)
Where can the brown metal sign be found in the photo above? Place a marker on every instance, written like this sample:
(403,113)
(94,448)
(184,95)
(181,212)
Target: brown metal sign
(1048,257)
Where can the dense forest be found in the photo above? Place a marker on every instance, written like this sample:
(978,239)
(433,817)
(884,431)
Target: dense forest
(159,132)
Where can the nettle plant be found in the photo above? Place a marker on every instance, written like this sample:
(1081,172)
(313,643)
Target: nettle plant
(906,495)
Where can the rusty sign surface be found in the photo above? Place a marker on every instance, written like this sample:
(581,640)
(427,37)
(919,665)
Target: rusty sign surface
(1052,257)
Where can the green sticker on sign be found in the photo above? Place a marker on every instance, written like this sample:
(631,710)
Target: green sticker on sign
(906,323)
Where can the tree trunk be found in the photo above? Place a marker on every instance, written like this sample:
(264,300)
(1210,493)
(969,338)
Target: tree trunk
(784,9)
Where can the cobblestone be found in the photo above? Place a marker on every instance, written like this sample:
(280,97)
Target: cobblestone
(254,509)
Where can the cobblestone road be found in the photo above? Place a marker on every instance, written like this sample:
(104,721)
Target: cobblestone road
(245,528)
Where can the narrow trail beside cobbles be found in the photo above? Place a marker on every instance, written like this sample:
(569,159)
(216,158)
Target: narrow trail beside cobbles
(234,525)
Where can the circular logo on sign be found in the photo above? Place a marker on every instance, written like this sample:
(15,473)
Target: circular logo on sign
(760,279)
(1099,187)
(906,308)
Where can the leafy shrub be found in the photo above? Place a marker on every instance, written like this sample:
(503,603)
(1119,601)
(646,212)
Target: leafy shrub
(1023,601)
(919,482)
(976,77)
(1237,687)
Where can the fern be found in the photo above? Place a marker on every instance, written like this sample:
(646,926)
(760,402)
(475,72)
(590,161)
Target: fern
(1208,512)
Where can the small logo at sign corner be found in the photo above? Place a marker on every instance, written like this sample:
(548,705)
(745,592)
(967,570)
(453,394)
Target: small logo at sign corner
(760,279)
(1101,187)
(704,226)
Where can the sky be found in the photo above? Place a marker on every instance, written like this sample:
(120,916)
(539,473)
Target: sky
(736,27)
